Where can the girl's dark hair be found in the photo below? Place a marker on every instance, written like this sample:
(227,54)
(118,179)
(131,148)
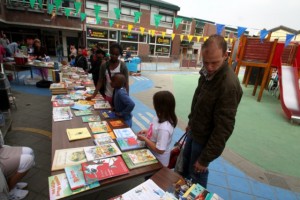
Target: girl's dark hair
(164,105)
(116,46)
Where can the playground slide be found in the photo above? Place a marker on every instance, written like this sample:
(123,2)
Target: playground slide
(289,92)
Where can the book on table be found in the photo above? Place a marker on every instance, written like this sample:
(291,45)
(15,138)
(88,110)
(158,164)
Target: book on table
(78,133)
(116,123)
(59,187)
(138,158)
(85,102)
(130,143)
(62,102)
(67,157)
(60,97)
(75,176)
(102,105)
(91,118)
(124,133)
(101,151)
(62,114)
(109,131)
(104,138)
(107,114)
(98,170)
(82,112)
(98,127)
(78,106)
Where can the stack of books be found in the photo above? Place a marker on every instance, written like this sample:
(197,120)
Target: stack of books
(58,88)
(127,140)
(138,158)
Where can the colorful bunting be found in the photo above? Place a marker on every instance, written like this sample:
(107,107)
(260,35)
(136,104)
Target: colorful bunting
(77,7)
(263,34)
(205,38)
(198,38)
(173,36)
(118,13)
(50,8)
(288,39)
(181,37)
(111,22)
(123,26)
(142,29)
(40,4)
(163,34)
(58,4)
(97,10)
(240,31)
(82,16)
(157,19)
(67,12)
(137,16)
(152,33)
(32,2)
(190,37)
(98,20)
(220,28)
(177,21)
(117,25)
(129,27)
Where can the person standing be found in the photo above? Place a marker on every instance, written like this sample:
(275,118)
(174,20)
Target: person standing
(96,61)
(73,52)
(213,111)
(80,60)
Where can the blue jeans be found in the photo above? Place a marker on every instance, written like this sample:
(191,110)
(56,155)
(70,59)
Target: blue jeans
(192,151)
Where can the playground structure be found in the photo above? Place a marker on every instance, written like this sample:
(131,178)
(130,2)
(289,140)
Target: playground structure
(266,55)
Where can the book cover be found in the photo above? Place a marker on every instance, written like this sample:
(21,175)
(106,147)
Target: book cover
(91,118)
(107,114)
(62,114)
(59,187)
(76,96)
(138,158)
(77,106)
(78,133)
(62,102)
(102,105)
(101,151)
(130,143)
(124,133)
(67,157)
(82,112)
(98,127)
(55,86)
(98,170)
(104,138)
(75,176)
(85,102)
(116,123)
(59,97)
(109,131)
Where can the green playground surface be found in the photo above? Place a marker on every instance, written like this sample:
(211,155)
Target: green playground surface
(262,134)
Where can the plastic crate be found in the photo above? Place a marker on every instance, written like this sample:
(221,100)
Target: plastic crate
(131,66)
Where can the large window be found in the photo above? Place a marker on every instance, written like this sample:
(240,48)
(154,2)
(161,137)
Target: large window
(104,38)
(166,18)
(132,40)
(160,46)
(186,27)
(199,31)
(126,10)
(104,5)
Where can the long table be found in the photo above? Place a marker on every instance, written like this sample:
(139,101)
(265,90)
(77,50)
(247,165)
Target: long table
(60,141)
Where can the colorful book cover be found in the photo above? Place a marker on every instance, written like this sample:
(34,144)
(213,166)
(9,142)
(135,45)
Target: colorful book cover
(124,133)
(77,106)
(108,114)
(116,123)
(101,151)
(98,127)
(91,118)
(102,105)
(85,102)
(59,187)
(82,112)
(78,133)
(104,138)
(109,131)
(130,143)
(138,158)
(59,97)
(75,176)
(62,102)
(76,96)
(67,157)
(98,170)
(62,114)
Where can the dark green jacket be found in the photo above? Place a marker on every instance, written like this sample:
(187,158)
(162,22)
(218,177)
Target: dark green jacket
(213,111)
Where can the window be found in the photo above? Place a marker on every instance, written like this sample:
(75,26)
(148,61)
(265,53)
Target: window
(132,40)
(160,46)
(166,18)
(125,10)
(186,27)
(199,30)
(104,5)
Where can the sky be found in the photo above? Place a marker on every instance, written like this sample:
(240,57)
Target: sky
(253,14)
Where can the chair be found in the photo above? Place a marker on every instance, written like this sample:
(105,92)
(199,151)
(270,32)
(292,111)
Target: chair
(255,53)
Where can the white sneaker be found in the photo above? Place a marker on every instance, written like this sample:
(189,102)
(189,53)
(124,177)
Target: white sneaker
(16,194)
(21,185)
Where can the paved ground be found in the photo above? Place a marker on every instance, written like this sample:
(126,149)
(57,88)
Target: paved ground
(231,176)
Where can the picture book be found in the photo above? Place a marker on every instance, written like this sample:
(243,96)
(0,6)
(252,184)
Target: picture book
(130,143)
(91,118)
(109,131)
(98,170)
(85,102)
(104,138)
(75,176)
(138,158)
(101,151)
(116,123)
(82,112)
(102,105)
(54,86)
(59,97)
(98,127)
(76,96)
(124,133)
(59,187)
(62,114)
(107,114)
(78,133)
(62,103)
(67,157)
(194,191)
(77,106)
(148,190)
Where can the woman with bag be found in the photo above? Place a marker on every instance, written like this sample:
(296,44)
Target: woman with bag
(159,135)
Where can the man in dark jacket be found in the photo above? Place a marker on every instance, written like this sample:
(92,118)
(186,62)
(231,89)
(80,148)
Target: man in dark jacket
(213,111)
(80,60)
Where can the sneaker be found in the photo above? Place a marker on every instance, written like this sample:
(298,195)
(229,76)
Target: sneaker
(21,185)
(16,194)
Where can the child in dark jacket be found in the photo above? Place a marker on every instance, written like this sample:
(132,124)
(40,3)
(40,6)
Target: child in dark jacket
(122,103)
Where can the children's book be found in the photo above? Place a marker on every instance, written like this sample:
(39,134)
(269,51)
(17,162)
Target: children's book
(124,133)
(75,176)
(67,157)
(54,86)
(116,123)
(102,105)
(138,158)
(62,114)
(59,97)
(77,106)
(109,131)
(101,151)
(91,118)
(82,112)
(85,102)
(62,103)
(104,138)
(130,143)
(59,187)
(98,127)
(78,133)
(194,191)
(76,96)
(108,114)
(98,170)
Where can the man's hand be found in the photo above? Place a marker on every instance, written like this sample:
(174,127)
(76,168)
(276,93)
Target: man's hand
(89,98)
(199,168)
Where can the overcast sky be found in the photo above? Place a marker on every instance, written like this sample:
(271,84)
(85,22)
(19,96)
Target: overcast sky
(253,14)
